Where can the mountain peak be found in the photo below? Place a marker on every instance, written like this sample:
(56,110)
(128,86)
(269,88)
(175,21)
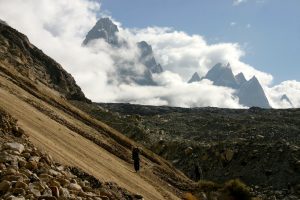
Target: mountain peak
(147,57)
(251,94)
(240,78)
(195,78)
(222,75)
(103,29)
(2,22)
(287,99)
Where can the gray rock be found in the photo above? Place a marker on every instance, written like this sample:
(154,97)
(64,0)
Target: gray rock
(14,146)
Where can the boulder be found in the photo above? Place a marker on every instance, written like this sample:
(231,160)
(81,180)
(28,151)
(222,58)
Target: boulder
(14,146)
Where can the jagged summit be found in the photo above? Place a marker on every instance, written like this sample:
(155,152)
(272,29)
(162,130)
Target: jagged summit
(287,99)
(195,78)
(240,78)
(105,29)
(222,76)
(251,94)
(2,22)
(147,57)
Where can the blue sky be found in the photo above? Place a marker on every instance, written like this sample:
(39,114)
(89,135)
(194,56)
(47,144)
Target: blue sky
(267,30)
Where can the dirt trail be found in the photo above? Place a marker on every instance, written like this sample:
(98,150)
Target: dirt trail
(70,148)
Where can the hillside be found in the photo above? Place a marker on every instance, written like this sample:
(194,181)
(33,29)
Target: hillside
(259,146)
(35,90)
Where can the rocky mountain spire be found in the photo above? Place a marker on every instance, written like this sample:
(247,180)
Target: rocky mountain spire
(285,98)
(103,29)
(252,94)
(195,78)
(240,78)
(222,76)
(147,57)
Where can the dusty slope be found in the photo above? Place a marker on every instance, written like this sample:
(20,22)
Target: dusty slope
(35,90)
(70,148)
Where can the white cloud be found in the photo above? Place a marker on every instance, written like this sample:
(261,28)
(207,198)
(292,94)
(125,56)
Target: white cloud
(232,23)
(58,27)
(186,54)
(289,88)
(237,2)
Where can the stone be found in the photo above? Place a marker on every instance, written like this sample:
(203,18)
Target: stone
(14,178)
(4,186)
(229,155)
(188,151)
(64,192)
(34,158)
(22,163)
(18,132)
(45,177)
(26,155)
(54,183)
(55,191)
(137,196)
(75,186)
(15,198)
(63,181)
(35,191)
(47,192)
(11,171)
(47,198)
(14,146)
(32,165)
(5,157)
(21,184)
(53,172)
(19,192)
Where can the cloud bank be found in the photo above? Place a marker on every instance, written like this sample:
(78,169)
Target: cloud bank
(58,27)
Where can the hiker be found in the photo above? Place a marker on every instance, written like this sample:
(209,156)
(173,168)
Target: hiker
(197,173)
(136,158)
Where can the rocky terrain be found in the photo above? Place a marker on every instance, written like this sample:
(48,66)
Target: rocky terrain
(28,173)
(259,146)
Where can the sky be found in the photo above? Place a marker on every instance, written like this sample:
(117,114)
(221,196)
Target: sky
(186,37)
(267,30)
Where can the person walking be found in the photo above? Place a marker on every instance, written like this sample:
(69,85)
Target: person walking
(136,158)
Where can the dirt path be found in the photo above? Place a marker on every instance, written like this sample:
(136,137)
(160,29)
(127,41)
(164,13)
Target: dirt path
(70,148)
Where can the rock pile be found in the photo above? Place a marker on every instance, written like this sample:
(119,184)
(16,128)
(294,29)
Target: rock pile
(27,173)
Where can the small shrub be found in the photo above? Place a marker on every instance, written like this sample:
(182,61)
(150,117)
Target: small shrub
(189,196)
(208,186)
(237,190)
